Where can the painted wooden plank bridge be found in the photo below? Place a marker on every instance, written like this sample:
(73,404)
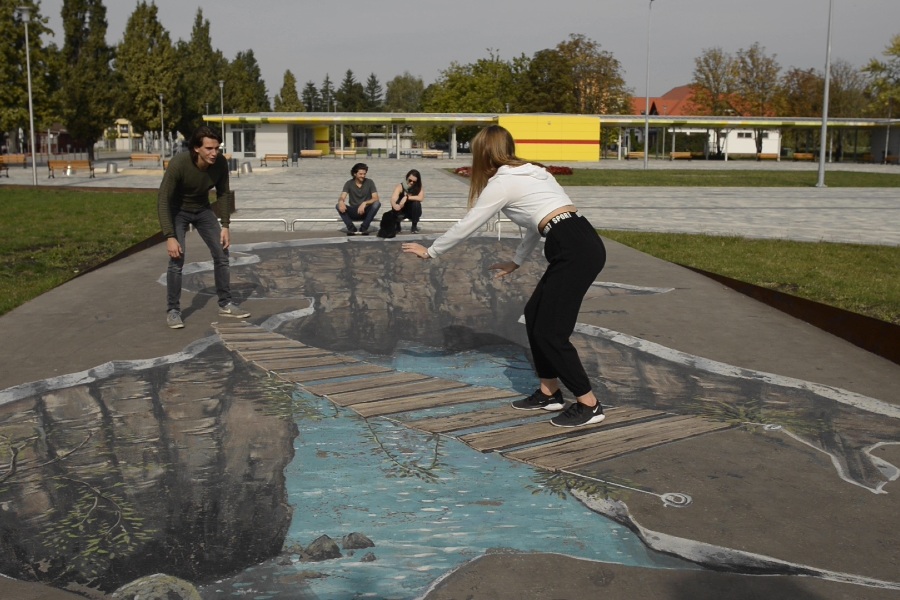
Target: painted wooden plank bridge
(374,391)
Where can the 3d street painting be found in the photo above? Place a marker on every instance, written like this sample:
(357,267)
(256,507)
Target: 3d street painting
(362,444)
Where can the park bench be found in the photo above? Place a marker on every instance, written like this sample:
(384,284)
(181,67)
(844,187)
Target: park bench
(66,165)
(680,156)
(136,159)
(343,153)
(767,156)
(310,154)
(634,155)
(892,160)
(432,154)
(11,159)
(804,156)
(264,161)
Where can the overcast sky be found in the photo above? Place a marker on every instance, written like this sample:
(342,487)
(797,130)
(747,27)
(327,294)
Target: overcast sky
(388,37)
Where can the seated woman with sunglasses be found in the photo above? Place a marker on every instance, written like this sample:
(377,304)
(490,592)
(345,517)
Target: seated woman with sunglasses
(407,200)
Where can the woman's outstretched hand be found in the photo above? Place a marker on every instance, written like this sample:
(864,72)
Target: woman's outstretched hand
(414,248)
(504,268)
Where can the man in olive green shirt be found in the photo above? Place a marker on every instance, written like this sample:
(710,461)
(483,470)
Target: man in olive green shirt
(183,202)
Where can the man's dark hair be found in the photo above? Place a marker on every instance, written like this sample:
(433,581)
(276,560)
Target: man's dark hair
(359,167)
(204,131)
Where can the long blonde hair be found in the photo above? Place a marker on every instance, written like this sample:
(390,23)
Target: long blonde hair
(492,147)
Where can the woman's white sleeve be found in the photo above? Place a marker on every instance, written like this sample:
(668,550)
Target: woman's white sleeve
(488,205)
(526,246)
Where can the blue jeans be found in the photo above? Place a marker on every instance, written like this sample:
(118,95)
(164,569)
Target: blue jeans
(352,214)
(207,225)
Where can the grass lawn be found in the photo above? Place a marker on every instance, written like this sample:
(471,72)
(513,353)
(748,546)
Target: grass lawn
(48,236)
(859,278)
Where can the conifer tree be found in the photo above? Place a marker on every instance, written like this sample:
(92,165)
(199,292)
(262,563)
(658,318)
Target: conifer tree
(200,69)
(287,100)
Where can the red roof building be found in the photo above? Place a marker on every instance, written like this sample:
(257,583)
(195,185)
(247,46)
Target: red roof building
(676,102)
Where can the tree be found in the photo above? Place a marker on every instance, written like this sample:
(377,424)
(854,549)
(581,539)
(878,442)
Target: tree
(86,94)
(311,99)
(884,79)
(599,87)
(800,93)
(201,69)
(326,92)
(287,99)
(245,90)
(374,94)
(147,63)
(714,84)
(757,79)
(483,86)
(547,84)
(44,73)
(847,93)
(404,93)
(351,96)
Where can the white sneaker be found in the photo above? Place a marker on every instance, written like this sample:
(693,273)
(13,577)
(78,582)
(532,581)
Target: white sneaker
(173,319)
(233,310)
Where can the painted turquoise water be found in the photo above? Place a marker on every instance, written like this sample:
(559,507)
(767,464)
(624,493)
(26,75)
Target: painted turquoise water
(430,503)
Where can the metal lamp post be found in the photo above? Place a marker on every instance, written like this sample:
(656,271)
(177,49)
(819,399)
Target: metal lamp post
(647,93)
(823,141)
(24,13)
(162,129)
(222,110)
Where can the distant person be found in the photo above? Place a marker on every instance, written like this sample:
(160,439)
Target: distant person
(183,202)
(407,198)
(533,200)
(358,201)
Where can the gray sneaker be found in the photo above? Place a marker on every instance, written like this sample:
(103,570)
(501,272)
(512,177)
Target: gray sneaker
(173,319)
(233,310)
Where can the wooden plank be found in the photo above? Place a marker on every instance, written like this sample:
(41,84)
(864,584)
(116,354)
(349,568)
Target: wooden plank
(256,343)
(528,433)
(424,401)
(282,353)
(609,443)
(305,375)
(398,391)
(237,325)
(305,363)
(467,420)
(365,383)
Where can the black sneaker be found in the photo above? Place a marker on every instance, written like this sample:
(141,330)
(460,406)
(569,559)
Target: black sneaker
(351,230)
(363,231)
(415,229)
(539,400)
(578,415)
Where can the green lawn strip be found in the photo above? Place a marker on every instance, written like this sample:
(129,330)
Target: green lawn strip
(49,236)
(724,178)
(859,278)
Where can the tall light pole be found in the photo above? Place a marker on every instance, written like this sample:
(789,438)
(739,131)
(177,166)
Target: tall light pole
(25,14)
(162,129)
(647,93)
(222,110)
(823,141)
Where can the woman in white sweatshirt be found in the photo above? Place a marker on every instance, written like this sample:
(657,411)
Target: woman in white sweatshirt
(531,198)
